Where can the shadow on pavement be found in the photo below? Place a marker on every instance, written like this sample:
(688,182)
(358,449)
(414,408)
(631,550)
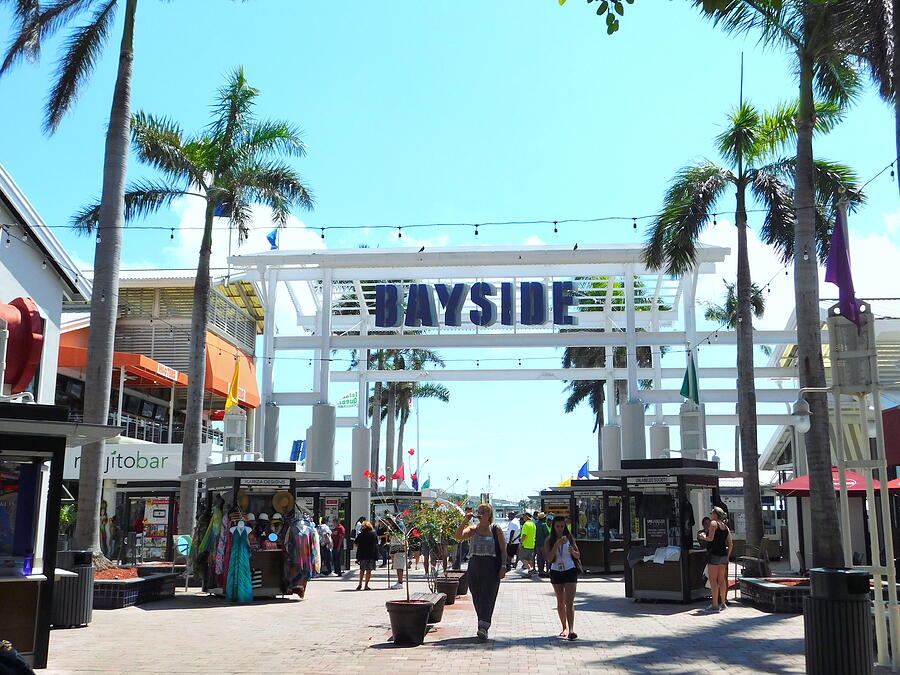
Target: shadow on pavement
(207,602)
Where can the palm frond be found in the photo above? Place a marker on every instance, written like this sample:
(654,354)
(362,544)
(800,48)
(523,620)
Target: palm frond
(278,186)
(34,28)
(274,136)
(778,198)
(232,111)
(81,50)
(141,199)
(740,139)
(837,79)
(157,141)
(687,207)
(778,127)
(776,25)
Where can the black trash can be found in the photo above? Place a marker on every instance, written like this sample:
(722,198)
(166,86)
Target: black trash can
(837,622)
(73,596)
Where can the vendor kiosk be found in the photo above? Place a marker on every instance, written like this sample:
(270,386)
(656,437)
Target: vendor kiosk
(595,509)
(663,498)
(326,500)
(33,439)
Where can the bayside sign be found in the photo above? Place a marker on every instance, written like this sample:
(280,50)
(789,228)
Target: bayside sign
(423,301)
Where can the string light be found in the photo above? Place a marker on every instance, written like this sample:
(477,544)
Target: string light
(172,235)
(323,233)
(634,223)
(555,228)
(476,230)
(714,219)
(98,237)
(805,255)
(399,232)
(43,264)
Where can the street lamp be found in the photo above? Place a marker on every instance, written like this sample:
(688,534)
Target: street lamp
(801,415)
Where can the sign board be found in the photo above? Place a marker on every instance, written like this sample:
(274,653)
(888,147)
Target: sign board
(267,482)
(133,461)
(442,304)
(348,400)
(558,509)
(657,532)
(650,480)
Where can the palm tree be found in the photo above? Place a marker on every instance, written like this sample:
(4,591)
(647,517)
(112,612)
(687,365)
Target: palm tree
(822,36)
(726,314)
(80,52)
(234,163)
(751,138)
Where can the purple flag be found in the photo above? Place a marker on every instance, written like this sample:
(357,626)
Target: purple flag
(837,270)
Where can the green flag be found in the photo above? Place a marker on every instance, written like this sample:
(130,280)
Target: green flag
(689,387)
(427,483)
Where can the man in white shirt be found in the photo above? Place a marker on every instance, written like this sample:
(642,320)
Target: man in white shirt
(513,539)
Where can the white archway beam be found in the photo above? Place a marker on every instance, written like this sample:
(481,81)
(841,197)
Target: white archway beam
(574,338)
(562,374)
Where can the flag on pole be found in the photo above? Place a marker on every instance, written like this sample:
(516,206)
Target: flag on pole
(427,483)
(232,399)
(399,474)
(583,471)
(689,387)
(273,239)
(298,451)
(837,269)
(415,481)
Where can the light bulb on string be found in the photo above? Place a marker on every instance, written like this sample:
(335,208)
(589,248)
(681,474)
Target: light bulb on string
(399,232)
(172,235)
(805,255)
(103,297)
(634,223)
(323,232)
(24,237)
(714,219)
(555,228)
(43,264)
(98,238)
(476,230)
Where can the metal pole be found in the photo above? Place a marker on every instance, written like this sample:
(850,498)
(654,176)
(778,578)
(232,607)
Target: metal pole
(418,443)
(121,395)
(172,413)
(842,475)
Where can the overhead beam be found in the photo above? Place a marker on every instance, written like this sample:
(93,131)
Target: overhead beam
(305,398)
(569,339)
(717,396)
(562,374)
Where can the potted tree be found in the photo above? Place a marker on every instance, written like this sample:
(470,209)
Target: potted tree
(409,618)
(67,515)
(436,524)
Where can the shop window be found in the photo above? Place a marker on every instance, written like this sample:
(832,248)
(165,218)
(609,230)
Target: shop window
(18,511)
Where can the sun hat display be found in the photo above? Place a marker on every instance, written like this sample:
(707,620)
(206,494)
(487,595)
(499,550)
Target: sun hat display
(283,501)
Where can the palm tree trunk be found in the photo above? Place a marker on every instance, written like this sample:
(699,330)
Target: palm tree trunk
(827,547)
(745,378)
(193,420)
(896,79)
(375,458)
(389,436)
(737,440)
(104,308)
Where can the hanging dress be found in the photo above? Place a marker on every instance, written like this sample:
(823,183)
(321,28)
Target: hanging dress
(239,584)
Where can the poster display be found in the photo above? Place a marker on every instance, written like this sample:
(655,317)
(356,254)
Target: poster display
(156,528)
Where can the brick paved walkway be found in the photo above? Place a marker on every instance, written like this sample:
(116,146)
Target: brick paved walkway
(337,629)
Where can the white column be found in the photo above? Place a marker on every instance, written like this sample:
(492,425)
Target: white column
(320,459)
(659,439)
(271,415)
(612,447)
(360,489)
(172,413)
(268,370)
(630,334)
(325,349)
(634,441)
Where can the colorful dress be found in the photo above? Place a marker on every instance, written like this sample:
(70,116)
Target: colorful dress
(239,584)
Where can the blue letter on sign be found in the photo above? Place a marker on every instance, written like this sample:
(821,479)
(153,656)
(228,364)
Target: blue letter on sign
(487,315)
(420,307)
(562,300)
(534,303)
(387,306)
(508,303)
(452,301)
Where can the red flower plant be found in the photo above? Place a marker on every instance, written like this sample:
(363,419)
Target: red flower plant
(405,512)
(381,478)
(412,452)
(415,533)
(367,473)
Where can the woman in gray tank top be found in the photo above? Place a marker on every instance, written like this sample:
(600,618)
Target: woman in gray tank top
(487,563)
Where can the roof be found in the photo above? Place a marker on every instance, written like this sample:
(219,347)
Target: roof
(74,280)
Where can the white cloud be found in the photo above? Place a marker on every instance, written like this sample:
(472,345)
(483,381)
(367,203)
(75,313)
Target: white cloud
(872,256)
(534,240)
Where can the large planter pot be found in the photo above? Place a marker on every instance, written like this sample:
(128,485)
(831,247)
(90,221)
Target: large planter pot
(437,609)
(409,621)
(463,586)
(447,585)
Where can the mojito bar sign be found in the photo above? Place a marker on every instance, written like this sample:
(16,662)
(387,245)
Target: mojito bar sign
(430,305)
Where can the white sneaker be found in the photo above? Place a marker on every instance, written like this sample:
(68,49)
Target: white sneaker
(712,609)
(399,584)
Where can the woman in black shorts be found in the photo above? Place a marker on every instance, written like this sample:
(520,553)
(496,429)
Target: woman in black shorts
(562,554)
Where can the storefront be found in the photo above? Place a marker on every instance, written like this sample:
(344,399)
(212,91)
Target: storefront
(594,508)
(278,505)
(33,439)
(665,499)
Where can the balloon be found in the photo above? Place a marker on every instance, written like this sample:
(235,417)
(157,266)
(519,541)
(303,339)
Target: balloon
(411,451)
(381,478)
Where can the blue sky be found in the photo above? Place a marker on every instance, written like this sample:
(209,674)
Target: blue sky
(455,112)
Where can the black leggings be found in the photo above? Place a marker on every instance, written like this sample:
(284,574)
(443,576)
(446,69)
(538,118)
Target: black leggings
(484,582)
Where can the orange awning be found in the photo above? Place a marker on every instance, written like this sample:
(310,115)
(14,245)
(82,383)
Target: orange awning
(220,360)
(148,370)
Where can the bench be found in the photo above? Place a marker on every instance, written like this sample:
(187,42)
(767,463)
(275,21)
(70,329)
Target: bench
(437,604)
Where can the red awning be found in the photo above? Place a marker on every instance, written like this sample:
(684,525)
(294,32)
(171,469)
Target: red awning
(799,487)
(149,371)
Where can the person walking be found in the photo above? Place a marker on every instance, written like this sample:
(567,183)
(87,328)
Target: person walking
(540,538)
(487,563)
(513,538)
(325,547)
(366,553)
(562,554)
(526,547)
(383,535)
(718,537)
(338,541)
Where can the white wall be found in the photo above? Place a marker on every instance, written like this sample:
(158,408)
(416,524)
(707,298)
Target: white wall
(857,530)
(21,276)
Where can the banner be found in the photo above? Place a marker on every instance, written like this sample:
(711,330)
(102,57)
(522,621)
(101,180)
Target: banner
(144,461)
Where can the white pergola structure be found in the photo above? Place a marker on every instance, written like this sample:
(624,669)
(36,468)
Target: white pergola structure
(616,300)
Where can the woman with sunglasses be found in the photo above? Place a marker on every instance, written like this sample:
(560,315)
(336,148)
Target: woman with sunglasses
(487,563)
(562,555)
